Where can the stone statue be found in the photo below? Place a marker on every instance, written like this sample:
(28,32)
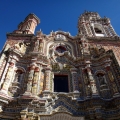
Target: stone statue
(18,76)
(88,90)
(41,47)
(30,76)
(102,80)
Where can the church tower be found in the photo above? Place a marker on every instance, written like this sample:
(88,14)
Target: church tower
(28,25)
(59,76)
(91,24)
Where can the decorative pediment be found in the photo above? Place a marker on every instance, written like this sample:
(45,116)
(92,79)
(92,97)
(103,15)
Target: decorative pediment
(61,109)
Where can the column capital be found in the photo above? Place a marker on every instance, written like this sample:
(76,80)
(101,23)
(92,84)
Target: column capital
(48,68)
(11,63)
(32,67)
(37,69)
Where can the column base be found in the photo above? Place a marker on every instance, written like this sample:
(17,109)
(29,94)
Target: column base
(94,95)
(76,94)
(116,95)
(27,94)
(46,94)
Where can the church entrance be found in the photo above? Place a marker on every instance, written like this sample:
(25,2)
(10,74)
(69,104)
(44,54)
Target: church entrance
(61,83)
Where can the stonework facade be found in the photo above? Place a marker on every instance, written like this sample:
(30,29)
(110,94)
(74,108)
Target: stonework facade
(59,76)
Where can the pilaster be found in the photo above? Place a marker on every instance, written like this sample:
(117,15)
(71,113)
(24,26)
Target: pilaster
(35,81)
(8,76)
(92,81)
(74,79)
(46,91)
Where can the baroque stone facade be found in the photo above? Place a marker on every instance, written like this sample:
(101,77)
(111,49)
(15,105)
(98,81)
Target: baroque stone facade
(34,68)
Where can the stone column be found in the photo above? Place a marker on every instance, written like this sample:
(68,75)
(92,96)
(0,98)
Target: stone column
(39,80)
(8,76)
(46,91)
(92,29)
(36,46)
(92,81)
(35,81)
(30,78)
(41,45)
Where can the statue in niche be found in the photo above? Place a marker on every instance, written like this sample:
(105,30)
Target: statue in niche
(51,52)
(36,45)
(88,90)
(29,86)
(14,88)
(86,79)
(102,80)
(21,46)
(41,47)
(30,76)
(36,75)
(96,51)
(18,76)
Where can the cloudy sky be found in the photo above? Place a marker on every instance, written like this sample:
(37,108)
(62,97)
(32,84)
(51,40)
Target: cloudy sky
(54,14)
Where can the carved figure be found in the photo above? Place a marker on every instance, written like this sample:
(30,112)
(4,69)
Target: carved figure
(86,79)
(41,47)
(36,77)
(110,76)
(18,76)
(30,76)
(88,90)
(102,80)
(29,86)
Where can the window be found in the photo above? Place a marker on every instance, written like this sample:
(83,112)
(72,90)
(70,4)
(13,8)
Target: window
(97,30)
(61,83)
(60,49)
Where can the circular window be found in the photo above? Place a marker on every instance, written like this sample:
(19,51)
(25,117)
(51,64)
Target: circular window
(60,49)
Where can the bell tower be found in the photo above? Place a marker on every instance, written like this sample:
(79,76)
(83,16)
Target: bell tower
(91,24)
(29,24)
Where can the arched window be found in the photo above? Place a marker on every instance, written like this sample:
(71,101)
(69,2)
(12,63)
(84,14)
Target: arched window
(97,30)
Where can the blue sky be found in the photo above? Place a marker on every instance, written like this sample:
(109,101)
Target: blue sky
(54,14)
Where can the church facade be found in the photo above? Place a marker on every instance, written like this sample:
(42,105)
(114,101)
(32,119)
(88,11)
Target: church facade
(60,76)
